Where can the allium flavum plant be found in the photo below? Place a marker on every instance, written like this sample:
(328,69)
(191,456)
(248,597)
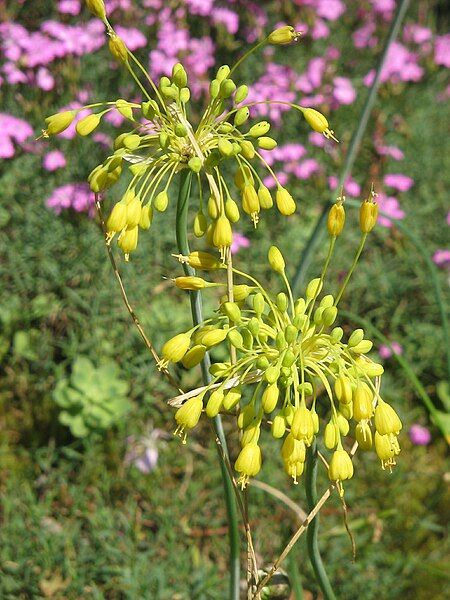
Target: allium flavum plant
(289,365)
(289,352)
(162,142)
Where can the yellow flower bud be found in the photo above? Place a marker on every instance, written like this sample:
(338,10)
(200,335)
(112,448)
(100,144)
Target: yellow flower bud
(223,72)
(314,288)
(214,337)
(246,416)
(283,35)
(134,211)
(161,201)
(236,339)
(368,214)
(243,177)
(128,241)
(363,347)
(251,433)
(118,48)
(269,398)
(276,260)
(343,389)
(179,75)
(250,202)
(192,283)
(118,218)
(200,225)
(175,348)
(341,466)
(318,122)
(247,149)
(248,463)
(232,311)
(241,292)
(330,435)
(204,261)
(241,116)
(278,427)
(232,211)
(362,402)
(342,423)
(259,129)
(285,202)
(59,122)
(188,415)
(225,147)
(336,219)
(194,356)
(223,235)
(267,143)
(232,397)
(386,419)
(346,410)
(146,217)
(356,337)
(265,197)
(131,141)
(185,95)
(87,125)
(241,94)
(97,8)
(227,87)
(195,164)
(214,403)
(302,427)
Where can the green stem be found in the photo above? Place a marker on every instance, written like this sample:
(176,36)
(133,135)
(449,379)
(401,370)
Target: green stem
(319,229)
(197,317)
(312,533)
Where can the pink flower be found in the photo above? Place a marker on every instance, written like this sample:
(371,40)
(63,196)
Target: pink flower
(442,50)
(391,151)
(69,7)
(441,258)
(400,182)
(343,92)
(54,160)
(44,79)
(77,196)
(239,241)
(390,207)
(227,18)
(419,435)
(364,36)
(351,187)
(306,168)
(133,38)
(12,130)
(417,34)
(387,351)
(330,9)
(400,65)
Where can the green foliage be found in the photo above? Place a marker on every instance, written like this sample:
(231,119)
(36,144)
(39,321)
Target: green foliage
(93,399)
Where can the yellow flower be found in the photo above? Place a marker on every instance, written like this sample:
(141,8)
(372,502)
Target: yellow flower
(192,283)
(248,463)
(285,202)
(59,122)
(118,48)
(276,260)
(336,219)
(386,447)
(341,466)
(386,419)
(368,214)
(193,356)
(87,125)
(128,240)
(97,8)
(302,425)
(269,398)
(283,35)
(188,415)
(318,122)
(175,348)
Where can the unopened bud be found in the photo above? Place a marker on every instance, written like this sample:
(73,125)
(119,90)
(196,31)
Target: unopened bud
(285,202)
(276,260)
(283,35)
(368,214)
(97,8)
(118,48)
(336,219)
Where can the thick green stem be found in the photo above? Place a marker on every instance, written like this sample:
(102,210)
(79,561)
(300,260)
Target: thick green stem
(312,533)
(197,317)
(319,228)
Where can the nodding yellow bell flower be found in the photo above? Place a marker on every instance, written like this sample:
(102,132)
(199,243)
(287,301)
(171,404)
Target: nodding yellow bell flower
(59,122)
(341,466)
(269,398)
(223,235)
(117,220)
(146,217)
(97,8)
(294,470)
(191,282)
(200,225)
(331,435)
(265,197)
(193,356)
(285,202)
(243,177)
(248,463)
(214,337)
(283,35)
(362,402)
(134,211)
(276,260)
(161,201)
(387,448)
(250,202)
(386,419)
(214,403)
(188,415)
(175,348)
(336,219)
(368,214)
(87,125)
(128,241)
(363,435)
(318,122)
(118,48)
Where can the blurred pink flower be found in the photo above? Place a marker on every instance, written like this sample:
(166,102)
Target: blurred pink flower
(54,160)
(12,130)
(391,151)
(351,187)
(417,33)
(391,207)
(77,196)
(239,241)
(44,79)
(442,50)
(306,168)
(343,92)
(364,36)
(228,18)
(441,258)
(133,38)
(419,435)
(386,352)
(143,452)
(400,65)
(69,7)
(400,182)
